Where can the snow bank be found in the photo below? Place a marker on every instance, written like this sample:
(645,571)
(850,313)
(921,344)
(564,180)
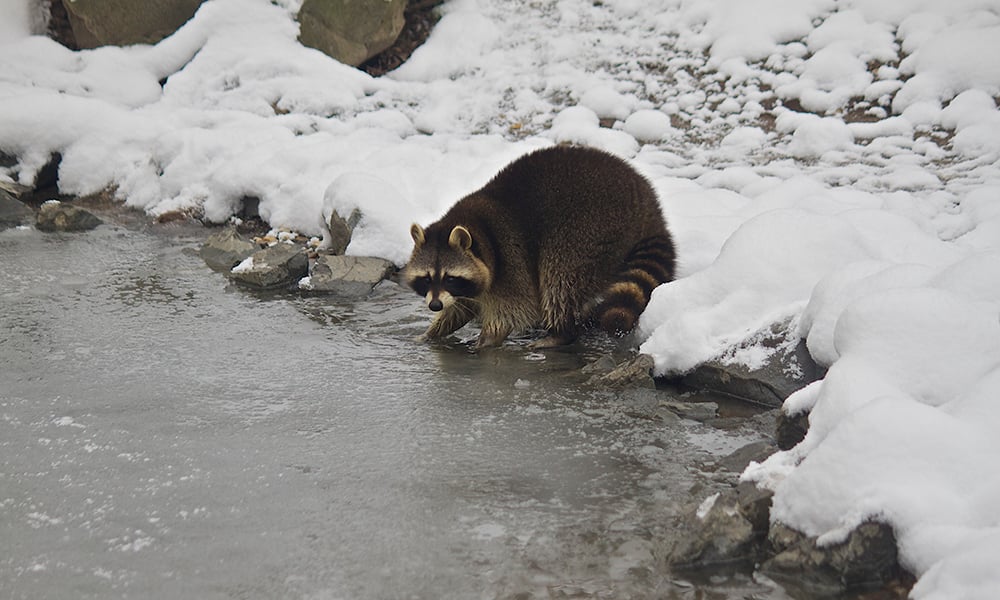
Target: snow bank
(835,166)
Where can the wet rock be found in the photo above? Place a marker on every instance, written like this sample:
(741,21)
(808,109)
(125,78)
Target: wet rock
(645,403)
(790,430)
(225,249)
(696,411)
(602,366)
(346,275)
(277,266)
(59,216)
(351,31)
(634,373)
(789,368)
(729,527)
(13,212)
(123,22)
(340,231)
(737,461)
(867,559)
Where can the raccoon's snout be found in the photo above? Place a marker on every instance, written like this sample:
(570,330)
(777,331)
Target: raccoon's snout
(435,305)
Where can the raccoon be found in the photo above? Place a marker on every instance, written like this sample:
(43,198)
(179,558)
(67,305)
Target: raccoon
(562,238)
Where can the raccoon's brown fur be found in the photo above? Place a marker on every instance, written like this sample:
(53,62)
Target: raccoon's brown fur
(558,238)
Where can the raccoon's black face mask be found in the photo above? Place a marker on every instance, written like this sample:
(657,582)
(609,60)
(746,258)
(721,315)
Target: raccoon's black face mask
(432,286)
(442,270)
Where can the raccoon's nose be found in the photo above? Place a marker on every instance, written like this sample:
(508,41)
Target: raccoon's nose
(435,305)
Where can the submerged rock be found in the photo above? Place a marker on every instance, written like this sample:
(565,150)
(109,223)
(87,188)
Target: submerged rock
(59,216)
(737,461)
(346,275)
(13,212)
(696,411)
(866,559)
(225,249)
(277,266)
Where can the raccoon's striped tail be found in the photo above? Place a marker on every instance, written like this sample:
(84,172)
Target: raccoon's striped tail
(648,265)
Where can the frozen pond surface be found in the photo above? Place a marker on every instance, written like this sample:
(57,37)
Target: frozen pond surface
(166,435)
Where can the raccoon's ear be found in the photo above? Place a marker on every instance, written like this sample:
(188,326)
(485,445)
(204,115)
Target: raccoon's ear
(460,238)
(417,233)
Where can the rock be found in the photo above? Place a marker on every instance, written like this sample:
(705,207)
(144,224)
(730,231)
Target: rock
(867,559)
(790,430)
(13,212)
(124,22)
(7,160)
(737,461)
(634,373)
(59,216)
(789,368)
(726,529)
(696,411)
(225,249)
(341,230)
(754,504)
(602,366)
(351,31)
(644,403)
(276,266)
(15,190)
(346,275)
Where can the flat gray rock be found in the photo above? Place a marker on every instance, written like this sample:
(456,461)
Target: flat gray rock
(225,249)
(277,266)
(346,275)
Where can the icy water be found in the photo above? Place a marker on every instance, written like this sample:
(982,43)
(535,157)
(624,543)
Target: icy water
(164,434)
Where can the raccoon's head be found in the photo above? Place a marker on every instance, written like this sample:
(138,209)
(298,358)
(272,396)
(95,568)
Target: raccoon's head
(444,266)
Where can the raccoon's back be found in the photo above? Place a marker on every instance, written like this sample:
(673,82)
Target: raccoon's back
(573,189)
(593,228)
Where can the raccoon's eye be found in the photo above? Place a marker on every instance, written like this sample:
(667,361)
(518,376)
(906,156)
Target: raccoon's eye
(421,285)
(459,286)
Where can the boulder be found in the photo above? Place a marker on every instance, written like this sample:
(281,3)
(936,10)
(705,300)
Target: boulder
(346,275)
(727,528)
(789,368)
(13,212)
(866,559)
(124,22)
(59,216)
(351,31)
(277,266)
(224,250)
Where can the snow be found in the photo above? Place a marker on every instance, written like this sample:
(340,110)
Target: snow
(834,167)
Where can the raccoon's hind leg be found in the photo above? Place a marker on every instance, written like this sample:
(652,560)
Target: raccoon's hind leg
(648,265)
(560,312)
(451,319)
